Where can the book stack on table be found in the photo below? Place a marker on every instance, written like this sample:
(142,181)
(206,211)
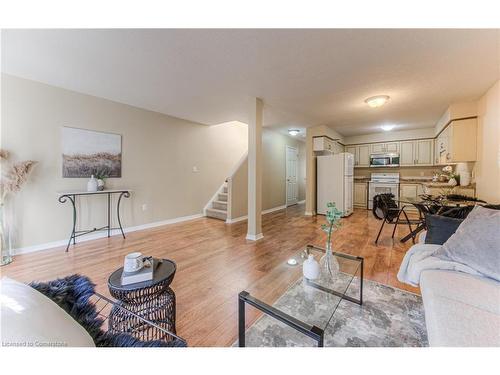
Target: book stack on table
(146,273)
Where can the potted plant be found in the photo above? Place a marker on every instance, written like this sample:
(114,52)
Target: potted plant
(328,264)
(101,175)
(452,177)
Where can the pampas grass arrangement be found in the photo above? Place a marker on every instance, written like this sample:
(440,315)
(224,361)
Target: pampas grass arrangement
(13,177)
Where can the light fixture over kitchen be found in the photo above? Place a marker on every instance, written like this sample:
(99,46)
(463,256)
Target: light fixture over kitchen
(377,101)
(293,132)
(387,127)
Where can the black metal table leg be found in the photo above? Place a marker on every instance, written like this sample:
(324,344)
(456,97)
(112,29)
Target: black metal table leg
(64,199)
(361,281)
(413,233)
(109,215)
(241,320)
(126,194)
(314,332)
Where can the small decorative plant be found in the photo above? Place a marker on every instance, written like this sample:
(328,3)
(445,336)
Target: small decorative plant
(101,175)
(448,173)
(329,266)
(333,215)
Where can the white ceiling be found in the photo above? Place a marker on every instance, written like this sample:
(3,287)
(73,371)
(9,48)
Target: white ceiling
(305,77)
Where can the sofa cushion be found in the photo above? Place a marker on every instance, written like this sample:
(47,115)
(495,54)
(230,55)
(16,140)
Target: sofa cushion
(31,319)
(440,228)
(460,309)
(476,242)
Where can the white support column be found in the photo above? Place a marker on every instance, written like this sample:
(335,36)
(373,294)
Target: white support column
(254,229)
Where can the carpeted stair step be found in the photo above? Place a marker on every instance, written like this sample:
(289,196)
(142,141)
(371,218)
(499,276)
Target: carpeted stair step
(217,214)
(219,205)
(222,197)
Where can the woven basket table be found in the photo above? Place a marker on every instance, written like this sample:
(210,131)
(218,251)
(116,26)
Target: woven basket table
(151,300)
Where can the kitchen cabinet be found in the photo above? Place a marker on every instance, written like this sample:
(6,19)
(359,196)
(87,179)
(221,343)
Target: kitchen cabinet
(361,155)
(360,194)
(417,152)
(410,191)
(325,144)
(378,148)
(457,142)
(424,151)
(407,154)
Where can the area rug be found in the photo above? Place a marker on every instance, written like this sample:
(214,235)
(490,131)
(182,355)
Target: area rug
(389,317)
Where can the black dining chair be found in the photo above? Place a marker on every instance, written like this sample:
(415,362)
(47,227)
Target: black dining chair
(386,209)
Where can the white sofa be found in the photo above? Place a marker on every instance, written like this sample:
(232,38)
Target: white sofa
(460,309)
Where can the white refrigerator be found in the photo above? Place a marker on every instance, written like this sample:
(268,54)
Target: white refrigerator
(334,182)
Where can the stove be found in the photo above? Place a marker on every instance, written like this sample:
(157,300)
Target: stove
(381,183)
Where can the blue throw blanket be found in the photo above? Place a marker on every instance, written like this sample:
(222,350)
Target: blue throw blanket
(72,294)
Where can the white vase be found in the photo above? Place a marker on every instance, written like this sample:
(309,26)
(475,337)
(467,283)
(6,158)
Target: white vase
(310,268)
(92,184)
(452,182)
(464,178)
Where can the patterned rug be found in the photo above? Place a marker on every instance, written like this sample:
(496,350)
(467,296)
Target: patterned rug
(389,317)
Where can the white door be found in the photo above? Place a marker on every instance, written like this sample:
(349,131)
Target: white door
(292,167)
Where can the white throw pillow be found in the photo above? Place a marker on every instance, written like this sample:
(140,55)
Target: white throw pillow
(28,318)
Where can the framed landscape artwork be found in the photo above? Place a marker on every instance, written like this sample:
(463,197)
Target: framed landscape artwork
(88,152)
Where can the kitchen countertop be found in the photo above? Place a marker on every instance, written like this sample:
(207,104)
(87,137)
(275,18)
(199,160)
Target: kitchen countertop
(427,181)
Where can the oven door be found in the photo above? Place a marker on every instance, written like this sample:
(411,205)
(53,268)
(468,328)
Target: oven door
(379,161)
(376,188)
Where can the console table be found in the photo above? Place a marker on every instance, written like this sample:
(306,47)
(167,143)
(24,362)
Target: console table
(65,196)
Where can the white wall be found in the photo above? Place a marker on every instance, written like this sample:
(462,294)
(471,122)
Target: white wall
(487,167)
(158,155)
(273,174)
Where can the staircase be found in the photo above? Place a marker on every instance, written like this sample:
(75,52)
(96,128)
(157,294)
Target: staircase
(217,207)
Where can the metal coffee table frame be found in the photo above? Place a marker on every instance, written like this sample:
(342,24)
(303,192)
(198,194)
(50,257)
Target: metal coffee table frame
(312,331)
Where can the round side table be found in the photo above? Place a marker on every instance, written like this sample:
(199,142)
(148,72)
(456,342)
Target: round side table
(151,300)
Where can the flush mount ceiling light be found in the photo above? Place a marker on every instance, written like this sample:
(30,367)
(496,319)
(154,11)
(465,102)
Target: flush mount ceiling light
(377,101)
(387,127)
(293,132)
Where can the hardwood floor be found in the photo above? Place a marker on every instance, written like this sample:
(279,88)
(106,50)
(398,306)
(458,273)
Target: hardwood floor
(215,262)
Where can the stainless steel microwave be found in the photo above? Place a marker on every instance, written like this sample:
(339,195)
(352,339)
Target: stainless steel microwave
(384,160)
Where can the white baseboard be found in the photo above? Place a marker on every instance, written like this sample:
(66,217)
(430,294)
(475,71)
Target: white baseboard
(242,218)
(97,235)
(301,202)
(254,237)
(309,213)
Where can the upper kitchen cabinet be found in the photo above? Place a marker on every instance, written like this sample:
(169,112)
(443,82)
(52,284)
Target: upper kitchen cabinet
(424,151)
(378,148)
(361,155)
(457,142)
(322,144)
(418,152)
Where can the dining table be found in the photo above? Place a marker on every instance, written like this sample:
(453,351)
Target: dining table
(434,205)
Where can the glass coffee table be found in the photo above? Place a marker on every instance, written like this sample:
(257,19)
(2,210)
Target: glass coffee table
(307,306)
